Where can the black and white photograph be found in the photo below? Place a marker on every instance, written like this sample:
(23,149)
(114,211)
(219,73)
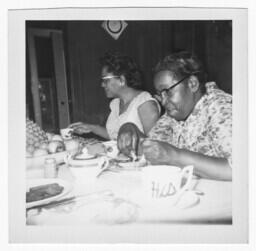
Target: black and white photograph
(133,125)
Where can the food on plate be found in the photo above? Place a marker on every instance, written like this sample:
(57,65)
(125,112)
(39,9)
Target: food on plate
(40,143)
(37,140)
(56,146)
(43,192)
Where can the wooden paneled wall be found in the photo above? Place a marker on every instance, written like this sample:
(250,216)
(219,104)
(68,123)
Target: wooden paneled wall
(145,41)
(87,42)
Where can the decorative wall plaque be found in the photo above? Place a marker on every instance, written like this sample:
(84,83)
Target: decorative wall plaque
(114,27)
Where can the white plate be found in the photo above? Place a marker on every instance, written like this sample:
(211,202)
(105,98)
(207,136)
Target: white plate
(38,182)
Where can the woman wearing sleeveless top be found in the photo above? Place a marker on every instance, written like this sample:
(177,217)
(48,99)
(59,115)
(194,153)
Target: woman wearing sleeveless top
(122,81)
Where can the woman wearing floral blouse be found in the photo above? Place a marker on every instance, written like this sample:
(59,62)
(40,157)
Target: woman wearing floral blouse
(196,127)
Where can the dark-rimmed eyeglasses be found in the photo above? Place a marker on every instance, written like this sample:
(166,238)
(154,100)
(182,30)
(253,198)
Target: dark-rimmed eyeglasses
(165,91)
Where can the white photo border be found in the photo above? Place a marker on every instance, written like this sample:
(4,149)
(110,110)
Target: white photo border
(19,232)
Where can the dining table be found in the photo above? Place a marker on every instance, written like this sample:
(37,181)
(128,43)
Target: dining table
(116,196)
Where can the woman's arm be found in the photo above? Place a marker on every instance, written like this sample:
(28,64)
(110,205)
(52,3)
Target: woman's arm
(100,131)
(205,166)
(162,153)
(149,114)
(157,152)
(80,128)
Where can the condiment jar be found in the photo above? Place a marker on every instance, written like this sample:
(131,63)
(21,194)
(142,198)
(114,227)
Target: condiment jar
(50,168)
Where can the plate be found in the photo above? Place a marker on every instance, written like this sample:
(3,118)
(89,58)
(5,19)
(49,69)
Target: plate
(39,182)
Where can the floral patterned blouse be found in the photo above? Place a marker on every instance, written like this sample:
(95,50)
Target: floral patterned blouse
(207,130)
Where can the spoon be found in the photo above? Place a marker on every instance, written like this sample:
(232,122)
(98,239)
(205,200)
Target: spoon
(103,165)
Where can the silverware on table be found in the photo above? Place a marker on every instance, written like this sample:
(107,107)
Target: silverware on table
(72,199)
(53,203)
(103,165)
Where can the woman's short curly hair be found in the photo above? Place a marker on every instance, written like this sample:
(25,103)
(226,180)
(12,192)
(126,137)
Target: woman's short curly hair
(182,64)
(119,64)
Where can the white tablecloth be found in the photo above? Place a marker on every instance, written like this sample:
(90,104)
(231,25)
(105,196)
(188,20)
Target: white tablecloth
(117,197)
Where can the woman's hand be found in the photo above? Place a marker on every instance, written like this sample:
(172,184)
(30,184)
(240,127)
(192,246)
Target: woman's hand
(158,152)
(80,127)
(128,139)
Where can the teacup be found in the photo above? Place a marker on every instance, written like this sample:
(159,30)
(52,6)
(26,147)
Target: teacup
(162,182)
(111,148)
(66,133)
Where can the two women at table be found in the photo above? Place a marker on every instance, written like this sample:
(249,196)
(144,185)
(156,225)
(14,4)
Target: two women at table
(195,129)
(122,81)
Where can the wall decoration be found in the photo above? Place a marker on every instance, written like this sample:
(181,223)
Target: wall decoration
(114,27)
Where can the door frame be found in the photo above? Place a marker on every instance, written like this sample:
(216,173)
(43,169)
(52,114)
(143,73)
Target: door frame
(60,74)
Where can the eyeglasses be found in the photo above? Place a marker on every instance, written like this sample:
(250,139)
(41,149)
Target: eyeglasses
(165,91)
(105,79)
